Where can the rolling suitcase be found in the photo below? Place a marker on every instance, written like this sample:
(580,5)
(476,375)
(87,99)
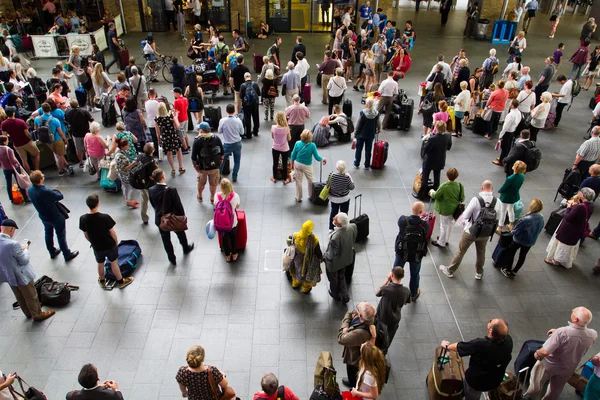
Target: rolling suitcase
(556,217)
(525,358)
(307,91)
(81,96)
(445,379)
(380,154)
(258,62)
(124,54)
(317,188)
(430,218)
(47,159)
(319,78)
(501,253)
(361,221)
(347,108)
(212,115)
(406,114)
(241,234)
(479,125)
(32,103)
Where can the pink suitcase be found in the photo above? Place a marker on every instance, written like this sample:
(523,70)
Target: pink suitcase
(430,218)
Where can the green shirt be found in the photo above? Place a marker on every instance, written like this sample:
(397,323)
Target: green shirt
(448,197)
(509,192)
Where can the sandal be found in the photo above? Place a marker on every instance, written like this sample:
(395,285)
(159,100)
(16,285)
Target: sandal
(181,171)
(212,201)
(199,198)
(286,181)
(273,180)
(551,262)
(234,257)
(172,172)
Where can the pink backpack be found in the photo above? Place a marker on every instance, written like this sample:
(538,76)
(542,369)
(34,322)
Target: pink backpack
(223,219)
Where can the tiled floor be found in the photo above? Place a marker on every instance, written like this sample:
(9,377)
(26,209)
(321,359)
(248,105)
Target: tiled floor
(245,314)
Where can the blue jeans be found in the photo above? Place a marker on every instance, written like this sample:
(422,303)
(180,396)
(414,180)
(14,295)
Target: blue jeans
(596,231)
(336,208)
(367,143)
(576,70)
(236,150)
(60,227)
(8,175)
(415,269)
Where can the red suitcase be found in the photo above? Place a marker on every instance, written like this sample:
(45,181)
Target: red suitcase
(258,62)
(242,232)
(306,91)
(27,42)
(124,57)
(430,218)
(380,154)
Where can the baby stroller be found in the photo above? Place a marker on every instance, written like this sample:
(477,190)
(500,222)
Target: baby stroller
(210,79)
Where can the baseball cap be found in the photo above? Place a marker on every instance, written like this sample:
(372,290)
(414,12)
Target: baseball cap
(204,126)
(177,90)
(10,222)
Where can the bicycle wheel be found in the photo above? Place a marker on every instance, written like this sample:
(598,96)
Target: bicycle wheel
(166,73)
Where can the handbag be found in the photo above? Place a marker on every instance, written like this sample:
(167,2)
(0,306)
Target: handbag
(325,191)
(90,166)
(170,222)
(460,208)
(487,114)
(427,107)
(283,90)
(273,91)
(63,209)
(30,393)
(288,256)
(22,178)
(112,170)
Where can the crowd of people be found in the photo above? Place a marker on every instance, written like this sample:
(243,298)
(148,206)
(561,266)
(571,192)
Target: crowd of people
(452,98)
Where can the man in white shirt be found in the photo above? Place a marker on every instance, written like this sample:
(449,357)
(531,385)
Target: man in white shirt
(518,13)
(469,236)
(170,10)
(565,96)
(511,121)
(302,68)
(151,107)
(388,90)
(445,69)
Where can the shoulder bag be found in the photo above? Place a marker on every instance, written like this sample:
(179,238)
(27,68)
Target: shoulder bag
(487,114)
(218,392)
(460,208)
(325,191)
(170,222)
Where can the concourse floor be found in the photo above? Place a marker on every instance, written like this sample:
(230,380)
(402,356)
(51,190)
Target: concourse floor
(245,314)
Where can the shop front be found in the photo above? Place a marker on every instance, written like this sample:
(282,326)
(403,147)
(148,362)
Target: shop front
(156,19)
(303,15)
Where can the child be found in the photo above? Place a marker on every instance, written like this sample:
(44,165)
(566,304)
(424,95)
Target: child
(557,57)
(470,117)
(487,93)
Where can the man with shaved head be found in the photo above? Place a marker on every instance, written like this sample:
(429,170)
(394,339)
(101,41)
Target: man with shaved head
(560,355)
(489,358)
(475,231)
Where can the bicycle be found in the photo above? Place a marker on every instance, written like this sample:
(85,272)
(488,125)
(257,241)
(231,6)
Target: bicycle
(153,68)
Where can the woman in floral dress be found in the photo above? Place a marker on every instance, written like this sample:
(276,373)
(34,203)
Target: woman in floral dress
(166,131)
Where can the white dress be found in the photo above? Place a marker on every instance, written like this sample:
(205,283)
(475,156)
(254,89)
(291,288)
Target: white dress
(560,252)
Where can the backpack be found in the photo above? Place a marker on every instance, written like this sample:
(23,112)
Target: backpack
(38,86)
(44,132)
(4,99)
(223,218)
(232,61)
(139,176)
(487,221)
(251,96)
(492,68)
(246,46)
(532,157)
(209,155)
(221,53)
(576,88)
(325,376)
(413,245)
(382,340)
(350,125)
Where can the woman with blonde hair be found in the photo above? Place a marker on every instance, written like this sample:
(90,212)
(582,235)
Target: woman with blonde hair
(101,80)
(509,195)
(371,375)
(524,236)
(166,131)
(539,115)
(369,72)
(461,107)
(196,380)
(280,132)
(74,60)
(228,239)
(302,156)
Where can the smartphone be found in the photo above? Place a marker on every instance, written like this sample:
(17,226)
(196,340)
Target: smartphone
(26,242)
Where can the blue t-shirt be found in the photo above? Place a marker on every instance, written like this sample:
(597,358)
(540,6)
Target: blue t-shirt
(54,124)
(365,11)
(112,34)
(59,115)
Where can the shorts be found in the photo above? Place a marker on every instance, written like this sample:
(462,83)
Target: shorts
(368,72)
(150,57)
(111,254)
(212,175)
(58,147)
(29,148)
(79,144)
(236,96)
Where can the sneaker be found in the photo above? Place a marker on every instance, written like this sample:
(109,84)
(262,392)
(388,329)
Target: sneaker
(126,282)
(505,272)
(298,200)
(415,297)
(355,166)
(367,168)
(189,248)
(186,151)
(446,271)
(62,173)
(355,88)
(71,170)
(102,283)
(80,165)
(478,276)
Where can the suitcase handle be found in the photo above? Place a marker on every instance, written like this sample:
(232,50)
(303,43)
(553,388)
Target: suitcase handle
(526,369)
(360,207)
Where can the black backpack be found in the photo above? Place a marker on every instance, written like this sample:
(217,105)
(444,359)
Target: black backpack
(38,86)
(140,178)
(487,221)
(209,154)
(412,246)
(350,125)
(44,132)
(382,340)
(532,157)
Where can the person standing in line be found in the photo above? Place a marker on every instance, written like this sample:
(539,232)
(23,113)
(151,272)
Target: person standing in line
(113,46)
(302,155)
(327,69)
(394,295)
(472,233)
(17,271)
(302,67)
(99,230)
(592,67)
(207,157)
(58,139)
(291,82)
(151,107)
(447,198)
(165,200)
(507,134)
(564,96)
(180,105)
(269,93)
(232,130)
(496,102)
(339,255)
(18,132)
(138,86)
(434,152)
(229,238)
(250,95)
(10,164)
(509,195)
(524,236)
(357,328)
(588,153)
(389,91)
(296,115)
(280,133)
(79,119)
(336,89)
(366,128)
(340,185)
(489,357)
(44,200)
(146,158)
(560,355)
(379,50)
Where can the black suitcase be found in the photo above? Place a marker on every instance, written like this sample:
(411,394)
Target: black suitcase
(319,78)
(406,114)
(317,188)
(47,159)
(109,114)
(226,166)
(479,126)
(212,115)
(347,108)
(361,221)
(32,103)
(525,358)
(501,254)
(555,217)
(71,154)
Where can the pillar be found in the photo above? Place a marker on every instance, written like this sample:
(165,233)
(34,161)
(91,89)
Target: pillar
(595,13)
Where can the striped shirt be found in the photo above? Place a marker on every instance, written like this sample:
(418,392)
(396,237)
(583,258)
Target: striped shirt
(340,187)
(590,149)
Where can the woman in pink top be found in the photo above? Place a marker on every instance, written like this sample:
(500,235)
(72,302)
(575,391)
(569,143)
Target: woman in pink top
(95,146)
(9,164)
(496,102)
(280,132)
(441,115)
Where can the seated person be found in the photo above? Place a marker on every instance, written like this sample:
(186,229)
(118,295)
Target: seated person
(592,181)
(92,389)
(321,132)
(339,122)
(264,30)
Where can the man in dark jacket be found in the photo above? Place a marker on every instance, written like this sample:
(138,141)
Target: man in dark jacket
(298,47)
(249,93)
(366,127)
(92,389)
(434,158)
(79,119)
(517,152)
(170,204)
(393,296)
